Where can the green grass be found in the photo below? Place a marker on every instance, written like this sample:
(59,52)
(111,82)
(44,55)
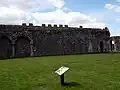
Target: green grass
(87,72)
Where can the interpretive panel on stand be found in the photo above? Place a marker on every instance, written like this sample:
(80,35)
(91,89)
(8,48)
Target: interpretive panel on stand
(61,70)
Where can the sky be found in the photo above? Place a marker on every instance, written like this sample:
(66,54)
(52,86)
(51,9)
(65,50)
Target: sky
(75,13)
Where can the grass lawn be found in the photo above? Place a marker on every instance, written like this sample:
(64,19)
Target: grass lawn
(87,72)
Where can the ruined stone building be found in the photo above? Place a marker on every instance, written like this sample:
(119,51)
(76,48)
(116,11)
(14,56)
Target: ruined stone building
(29,40)
(115,40)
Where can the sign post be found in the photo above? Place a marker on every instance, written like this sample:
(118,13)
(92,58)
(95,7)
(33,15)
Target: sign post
(61,72)
(62,79)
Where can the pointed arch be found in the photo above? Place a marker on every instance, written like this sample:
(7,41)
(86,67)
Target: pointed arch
(5,47)
(22,47)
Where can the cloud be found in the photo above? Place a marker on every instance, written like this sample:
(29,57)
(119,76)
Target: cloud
(118,0)
(110,6)
(71,18)
(57,3)
(32,4)
(118,19)
(115,8)
(11,15)
(18,11)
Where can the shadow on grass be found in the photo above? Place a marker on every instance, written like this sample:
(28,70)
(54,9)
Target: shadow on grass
(72,84)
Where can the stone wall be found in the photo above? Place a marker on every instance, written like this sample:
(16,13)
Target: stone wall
(115,44)
(25,41)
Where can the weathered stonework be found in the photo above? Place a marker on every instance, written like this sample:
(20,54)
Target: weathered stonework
(25,41)
(116,43)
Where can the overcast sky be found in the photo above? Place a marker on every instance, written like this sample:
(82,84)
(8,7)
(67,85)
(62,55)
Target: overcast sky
(88,13)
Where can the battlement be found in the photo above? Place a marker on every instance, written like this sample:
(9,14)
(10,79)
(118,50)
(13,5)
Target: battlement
(49,25)
(62,27)
(23,24)
(3,26)
(43,25)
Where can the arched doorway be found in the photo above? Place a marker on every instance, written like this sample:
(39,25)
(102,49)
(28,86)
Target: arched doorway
(101,45)
(112,45)
(5,47)
(22,47)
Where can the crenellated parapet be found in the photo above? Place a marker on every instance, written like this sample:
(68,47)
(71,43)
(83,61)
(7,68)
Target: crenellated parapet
(51,29)
(11,28)
(30,25)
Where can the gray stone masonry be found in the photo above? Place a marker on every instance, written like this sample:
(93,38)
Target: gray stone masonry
(29,40)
